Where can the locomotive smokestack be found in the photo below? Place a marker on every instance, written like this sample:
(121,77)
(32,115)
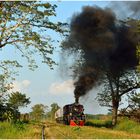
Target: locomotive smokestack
(76,100)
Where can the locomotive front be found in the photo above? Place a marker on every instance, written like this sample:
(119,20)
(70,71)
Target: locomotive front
(73,114)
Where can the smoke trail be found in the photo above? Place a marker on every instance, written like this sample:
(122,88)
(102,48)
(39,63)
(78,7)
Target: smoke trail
(105,46)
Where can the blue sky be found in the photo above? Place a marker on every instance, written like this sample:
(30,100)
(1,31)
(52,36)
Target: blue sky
(48,86)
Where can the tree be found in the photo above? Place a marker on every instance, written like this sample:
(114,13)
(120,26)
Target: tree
(24,25)
(7,74)
(138,48)
(10,114)
(133,109)
(54,108)
(134,100)
(2,110)
(134,106)
(38,111)
(10,108)
(126,82)
(17,99)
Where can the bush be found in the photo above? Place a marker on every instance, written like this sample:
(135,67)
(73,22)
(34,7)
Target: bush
(99,123)
(19,125)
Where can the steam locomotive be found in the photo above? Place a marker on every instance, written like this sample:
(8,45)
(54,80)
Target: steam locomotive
(72,114)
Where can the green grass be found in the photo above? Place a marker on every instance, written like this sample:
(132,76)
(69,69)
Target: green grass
(19,131)
(125,129)
(88,132)
(128,125)
(97,129)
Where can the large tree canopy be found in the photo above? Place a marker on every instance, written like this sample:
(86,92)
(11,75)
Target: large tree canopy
(25,25)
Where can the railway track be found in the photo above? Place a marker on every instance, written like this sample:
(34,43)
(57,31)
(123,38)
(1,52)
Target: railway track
(51,124)
(45,130)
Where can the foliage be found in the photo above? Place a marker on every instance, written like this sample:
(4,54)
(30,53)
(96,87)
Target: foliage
(126,83)
(24,117)
(54,108)
(24,25)
(11,115)
(51,114)
(90,116)
(7,74)
(99,123)
(19,125)
(97,117)
(9,109)
(115,87)
(134,100)
(133,109)
(17,99)
(2,110)
(38,112)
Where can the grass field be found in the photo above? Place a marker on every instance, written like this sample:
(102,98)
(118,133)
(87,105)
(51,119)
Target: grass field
(19,131)
(88,132)
(127,125)
(124,130)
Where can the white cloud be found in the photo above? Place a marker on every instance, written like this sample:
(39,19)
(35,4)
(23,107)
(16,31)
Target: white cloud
(65,87)
(20,85)
(26,83)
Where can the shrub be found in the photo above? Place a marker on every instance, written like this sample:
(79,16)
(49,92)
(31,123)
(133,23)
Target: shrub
(99,123)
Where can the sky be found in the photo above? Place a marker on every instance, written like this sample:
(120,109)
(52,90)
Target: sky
(47,86)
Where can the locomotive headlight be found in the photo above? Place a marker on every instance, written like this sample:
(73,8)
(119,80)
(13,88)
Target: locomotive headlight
(75,109)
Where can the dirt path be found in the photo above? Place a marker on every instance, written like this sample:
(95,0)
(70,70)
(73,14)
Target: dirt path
(48,134)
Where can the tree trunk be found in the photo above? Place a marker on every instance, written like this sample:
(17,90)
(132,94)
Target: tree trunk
(114,115)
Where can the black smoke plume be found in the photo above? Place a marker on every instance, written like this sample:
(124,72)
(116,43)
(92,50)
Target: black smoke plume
(106,46)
